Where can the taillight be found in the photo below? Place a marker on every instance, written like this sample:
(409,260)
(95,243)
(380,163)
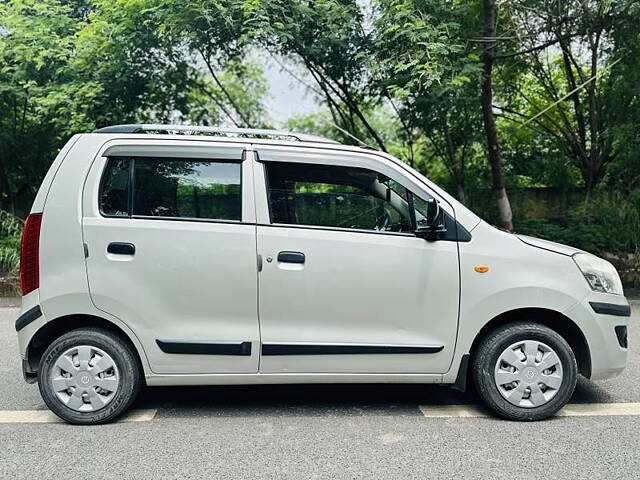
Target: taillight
(29,254)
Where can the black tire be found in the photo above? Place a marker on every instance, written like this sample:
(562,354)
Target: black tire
(488,352)
(126,361)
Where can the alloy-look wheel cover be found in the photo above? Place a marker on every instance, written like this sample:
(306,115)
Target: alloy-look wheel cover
(85,378)
(528,374)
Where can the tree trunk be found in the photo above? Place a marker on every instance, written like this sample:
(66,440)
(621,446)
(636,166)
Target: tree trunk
(504,207)
(591,174)
(462,194)
(230,99)
(5,188)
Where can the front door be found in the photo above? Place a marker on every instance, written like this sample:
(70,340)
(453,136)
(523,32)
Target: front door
(345,285)
(171,247)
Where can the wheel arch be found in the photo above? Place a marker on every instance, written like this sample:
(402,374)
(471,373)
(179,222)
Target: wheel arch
(552,319)
(57,327)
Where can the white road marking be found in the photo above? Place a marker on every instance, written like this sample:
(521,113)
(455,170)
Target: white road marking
(570,410)
(595,409)
(429,411)
(453,411)
(46,416)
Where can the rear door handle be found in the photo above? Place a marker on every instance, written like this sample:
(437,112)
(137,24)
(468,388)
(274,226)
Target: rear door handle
(120,248)
(291,257)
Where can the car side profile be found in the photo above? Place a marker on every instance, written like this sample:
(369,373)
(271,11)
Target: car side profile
(176,255)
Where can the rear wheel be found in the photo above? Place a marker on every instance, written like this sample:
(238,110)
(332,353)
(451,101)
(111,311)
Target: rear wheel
(89,376)
(524,371)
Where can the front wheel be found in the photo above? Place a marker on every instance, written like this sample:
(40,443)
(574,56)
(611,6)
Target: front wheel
(524,371)
(89,376)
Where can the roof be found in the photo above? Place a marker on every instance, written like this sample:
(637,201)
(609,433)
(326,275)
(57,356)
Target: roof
(216,131)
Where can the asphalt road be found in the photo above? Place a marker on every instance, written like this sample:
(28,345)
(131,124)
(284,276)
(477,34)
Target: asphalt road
(322,431)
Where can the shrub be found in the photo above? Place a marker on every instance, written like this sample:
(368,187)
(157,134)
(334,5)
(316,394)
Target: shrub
(607,222)
(607,225)
(10,231)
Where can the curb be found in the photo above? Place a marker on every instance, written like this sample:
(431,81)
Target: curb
(9,302)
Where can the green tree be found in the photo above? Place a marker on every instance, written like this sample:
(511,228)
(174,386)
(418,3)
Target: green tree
(329,40)
(423,63)
(578,64)
(36,84)
(69,66)
(131,71)
(217,36)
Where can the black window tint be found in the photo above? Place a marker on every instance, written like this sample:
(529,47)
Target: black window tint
(187,188)
(114,192)
(335,196)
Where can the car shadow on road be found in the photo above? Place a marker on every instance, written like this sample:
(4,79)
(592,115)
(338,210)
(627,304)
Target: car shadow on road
(321,399)
(589,392)
(315,399)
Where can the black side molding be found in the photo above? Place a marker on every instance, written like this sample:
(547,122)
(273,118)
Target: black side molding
(27,317)
(202,348)
(611,309)
(324,349)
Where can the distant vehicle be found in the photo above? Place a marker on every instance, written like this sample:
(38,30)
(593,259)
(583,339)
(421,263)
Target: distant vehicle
(176,255)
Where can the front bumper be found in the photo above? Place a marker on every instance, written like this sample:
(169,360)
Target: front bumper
(598,315)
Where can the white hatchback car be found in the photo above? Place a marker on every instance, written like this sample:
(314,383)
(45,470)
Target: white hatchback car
(175,255)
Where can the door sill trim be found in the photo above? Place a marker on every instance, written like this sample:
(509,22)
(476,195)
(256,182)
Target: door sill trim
(288,378)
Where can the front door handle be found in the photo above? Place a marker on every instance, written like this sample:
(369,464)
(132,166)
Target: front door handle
(291,257)
(120,248)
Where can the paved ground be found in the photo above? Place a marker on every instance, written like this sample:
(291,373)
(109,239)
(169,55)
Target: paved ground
(327,432)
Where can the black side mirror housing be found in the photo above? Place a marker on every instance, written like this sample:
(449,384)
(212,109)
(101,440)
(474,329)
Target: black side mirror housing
(434,219)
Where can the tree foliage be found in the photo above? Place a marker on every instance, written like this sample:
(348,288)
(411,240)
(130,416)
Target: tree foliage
(576,76)
(69,66)
(425,66)
(329,40)
(36,49)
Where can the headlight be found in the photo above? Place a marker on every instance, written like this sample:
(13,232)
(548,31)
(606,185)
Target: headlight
(600,274)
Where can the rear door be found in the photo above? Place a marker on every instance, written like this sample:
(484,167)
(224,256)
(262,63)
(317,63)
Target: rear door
(345,285)
(171,241)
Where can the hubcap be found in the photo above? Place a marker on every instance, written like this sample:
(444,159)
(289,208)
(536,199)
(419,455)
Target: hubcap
(528,374)
(85,378)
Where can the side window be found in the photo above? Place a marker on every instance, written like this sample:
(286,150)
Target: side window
(178,188)
(187,188)
(336,196)
(114,190)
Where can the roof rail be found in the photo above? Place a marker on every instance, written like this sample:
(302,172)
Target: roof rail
(223,131)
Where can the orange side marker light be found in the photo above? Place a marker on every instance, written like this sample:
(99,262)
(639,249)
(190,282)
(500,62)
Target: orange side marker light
(481,268)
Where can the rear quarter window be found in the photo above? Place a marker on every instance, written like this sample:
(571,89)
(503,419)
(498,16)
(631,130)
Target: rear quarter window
(114,189)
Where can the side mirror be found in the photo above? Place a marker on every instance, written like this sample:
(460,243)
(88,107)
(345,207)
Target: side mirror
(433,221)
(433,211)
